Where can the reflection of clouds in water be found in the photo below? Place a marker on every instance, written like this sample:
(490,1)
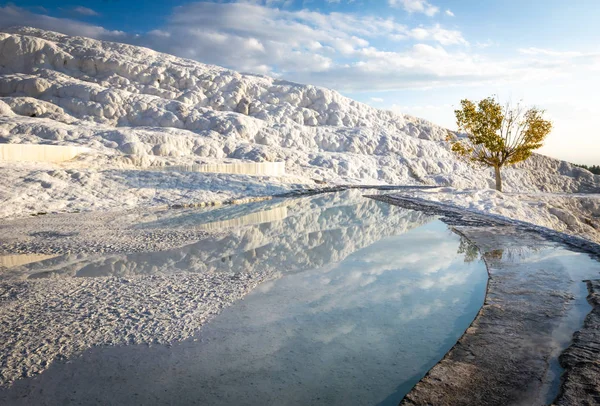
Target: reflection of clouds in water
(426,283)
(377,318)
(393,269)
(547,258)
(347,290)
(575,264)
(312,232)
(348,332)
(444,281)
(345,281)
(428,253)
(335,332)
(456,278)
(421,311)
(528,255)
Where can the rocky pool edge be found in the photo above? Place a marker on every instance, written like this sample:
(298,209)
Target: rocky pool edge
(486,365)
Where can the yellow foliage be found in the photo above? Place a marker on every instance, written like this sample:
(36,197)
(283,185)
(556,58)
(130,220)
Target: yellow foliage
(496,135)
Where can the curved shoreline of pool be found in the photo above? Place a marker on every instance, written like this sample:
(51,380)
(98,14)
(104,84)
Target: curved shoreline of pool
(535,301)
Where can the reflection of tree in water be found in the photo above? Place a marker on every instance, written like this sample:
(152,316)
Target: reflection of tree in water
(469,249)
(512,254)
(494,254)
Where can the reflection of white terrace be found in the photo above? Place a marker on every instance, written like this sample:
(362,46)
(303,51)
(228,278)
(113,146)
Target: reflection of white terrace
(9,261)
(39,153)
(265,216)
(242,168)
(62,153)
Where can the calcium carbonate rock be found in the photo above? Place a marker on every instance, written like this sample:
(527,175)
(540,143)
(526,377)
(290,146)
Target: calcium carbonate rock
(134,148)
(136,107)
(243,107)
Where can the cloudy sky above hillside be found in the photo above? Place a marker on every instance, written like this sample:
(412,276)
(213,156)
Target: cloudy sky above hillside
(415,56)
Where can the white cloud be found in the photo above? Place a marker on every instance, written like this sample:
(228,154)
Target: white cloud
(549,52)
(304,45)
(11,15)
(416,6)
(484,44)
(337,50)
(449,13)
(85,11)
(376,99)
(438,34)
(292,41)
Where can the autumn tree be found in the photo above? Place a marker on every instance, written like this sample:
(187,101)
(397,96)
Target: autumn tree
(497,136)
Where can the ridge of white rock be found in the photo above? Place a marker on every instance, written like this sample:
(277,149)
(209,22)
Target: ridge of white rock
(39,153)
(138,109)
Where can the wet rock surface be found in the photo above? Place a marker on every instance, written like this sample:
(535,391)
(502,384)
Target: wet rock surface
(505,357)
(581,361)
(44,321)
(156,277)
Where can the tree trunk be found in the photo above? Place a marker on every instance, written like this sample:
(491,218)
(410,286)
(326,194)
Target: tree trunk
(498,178)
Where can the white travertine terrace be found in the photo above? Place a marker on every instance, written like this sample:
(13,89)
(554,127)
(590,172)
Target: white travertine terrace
(244,168)
(10,261)
(138,110)
(265,216)
(135,106)
(39,153)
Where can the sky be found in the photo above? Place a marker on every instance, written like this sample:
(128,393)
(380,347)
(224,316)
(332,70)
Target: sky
(419,57)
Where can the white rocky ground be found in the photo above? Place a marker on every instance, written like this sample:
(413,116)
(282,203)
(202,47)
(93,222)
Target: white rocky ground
(107,295)
(577,214)
(138,110)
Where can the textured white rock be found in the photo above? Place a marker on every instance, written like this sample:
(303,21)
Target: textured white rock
(166,296)
(137,108)
(39,153)
(244,168)
(577,214)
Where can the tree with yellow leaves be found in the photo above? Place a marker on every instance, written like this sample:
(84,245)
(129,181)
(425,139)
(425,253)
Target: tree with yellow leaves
(496,135)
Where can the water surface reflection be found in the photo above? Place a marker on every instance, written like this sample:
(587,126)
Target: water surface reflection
(360,331)
(274,236)
(362,298)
